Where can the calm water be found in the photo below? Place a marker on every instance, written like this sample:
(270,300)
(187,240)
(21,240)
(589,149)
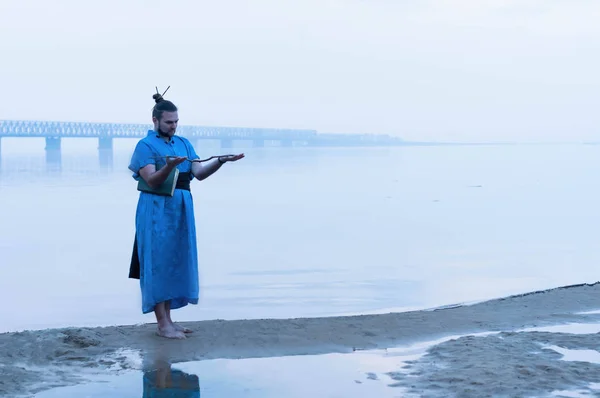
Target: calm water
(363,374)
(370,373)
(302,232)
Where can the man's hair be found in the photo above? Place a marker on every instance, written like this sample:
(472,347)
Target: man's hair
(162,105)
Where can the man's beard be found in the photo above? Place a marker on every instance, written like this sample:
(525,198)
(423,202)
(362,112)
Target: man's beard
(162,133)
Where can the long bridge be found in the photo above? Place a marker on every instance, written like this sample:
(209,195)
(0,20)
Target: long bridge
(55,131)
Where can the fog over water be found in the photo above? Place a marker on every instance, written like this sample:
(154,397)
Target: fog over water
(290,232)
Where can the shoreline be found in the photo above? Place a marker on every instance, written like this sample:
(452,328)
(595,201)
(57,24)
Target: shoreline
(36,360)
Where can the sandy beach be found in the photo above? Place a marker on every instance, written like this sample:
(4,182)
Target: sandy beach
(509,362)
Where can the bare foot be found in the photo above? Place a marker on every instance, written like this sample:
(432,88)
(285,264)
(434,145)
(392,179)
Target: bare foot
(182,329)
(170,332)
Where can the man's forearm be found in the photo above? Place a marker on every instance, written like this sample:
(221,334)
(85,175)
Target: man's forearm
(204,171)
(158,177)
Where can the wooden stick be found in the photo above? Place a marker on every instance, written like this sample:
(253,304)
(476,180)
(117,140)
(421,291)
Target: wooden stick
(191,161)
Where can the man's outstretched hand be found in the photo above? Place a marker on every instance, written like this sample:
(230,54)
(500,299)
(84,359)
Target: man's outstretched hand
(174,161)
(231,158)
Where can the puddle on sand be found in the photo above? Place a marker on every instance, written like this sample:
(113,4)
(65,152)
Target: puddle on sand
(357,374)
(571,328)
(594,387)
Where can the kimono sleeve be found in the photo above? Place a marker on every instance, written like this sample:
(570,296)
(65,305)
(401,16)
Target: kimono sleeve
(142,156)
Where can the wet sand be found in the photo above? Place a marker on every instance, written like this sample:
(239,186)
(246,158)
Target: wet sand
(510,363)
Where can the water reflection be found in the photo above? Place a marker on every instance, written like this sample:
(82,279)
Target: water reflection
(162,381)
(167,382)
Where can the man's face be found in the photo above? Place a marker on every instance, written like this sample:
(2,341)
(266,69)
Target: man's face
(168,123)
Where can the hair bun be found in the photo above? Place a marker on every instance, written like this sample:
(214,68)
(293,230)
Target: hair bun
(157,98)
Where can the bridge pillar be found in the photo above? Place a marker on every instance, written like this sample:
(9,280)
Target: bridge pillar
(105,143)
(105,152)
(226,143)
(106,158)
(53,143)
(258,143)
(53,153)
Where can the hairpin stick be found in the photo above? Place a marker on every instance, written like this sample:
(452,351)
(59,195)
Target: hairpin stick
(160,96)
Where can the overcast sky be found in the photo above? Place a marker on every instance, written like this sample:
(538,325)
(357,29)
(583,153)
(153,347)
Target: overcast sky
(478,70)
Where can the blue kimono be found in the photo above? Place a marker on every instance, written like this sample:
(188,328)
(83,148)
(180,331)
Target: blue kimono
(165,242)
